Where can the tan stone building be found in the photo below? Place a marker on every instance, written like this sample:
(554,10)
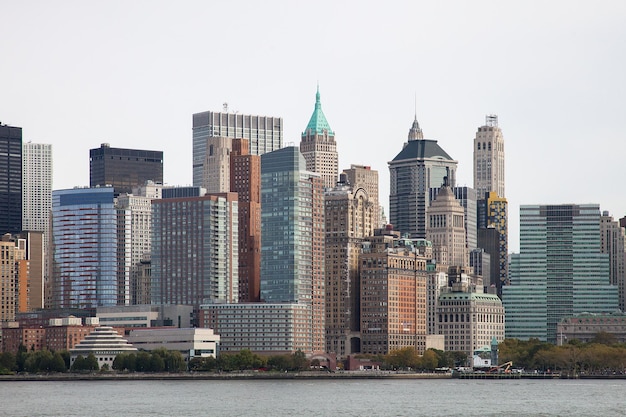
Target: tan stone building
(318,146)
(467,317)
(350,215)
(489,158)
(393,276)
(446,228)
(361,176)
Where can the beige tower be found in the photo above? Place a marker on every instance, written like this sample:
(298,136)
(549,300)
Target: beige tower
(318,146)
(489,158)
(350,215)
(361,176)
(446,228)
(216,169)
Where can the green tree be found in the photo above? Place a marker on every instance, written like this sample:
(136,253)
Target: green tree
(57,364)
(174,362)
(429,360)
(157,364)
(79,364)
(8,364)
(91,363)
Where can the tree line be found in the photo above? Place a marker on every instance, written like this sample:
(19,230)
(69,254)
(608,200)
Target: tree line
(602,355)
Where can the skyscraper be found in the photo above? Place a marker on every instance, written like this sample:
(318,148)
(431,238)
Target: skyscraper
(350,217)
(37,186)
(292,242)
(13,272)
(10,179)
(362,176)
(393,276)
(264,133)
(466,196)
(84,248)
(135,233)
(245,180)
(493,215)
(612,243)
(560,270)
(318,146)
(489,158)
(194,250)
(216,166)
(124,169)
(446,228)
(421,165)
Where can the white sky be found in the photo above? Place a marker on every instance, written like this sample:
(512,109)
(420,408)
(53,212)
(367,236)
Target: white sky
(131,73)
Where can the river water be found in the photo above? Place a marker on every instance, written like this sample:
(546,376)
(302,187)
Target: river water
(279,398)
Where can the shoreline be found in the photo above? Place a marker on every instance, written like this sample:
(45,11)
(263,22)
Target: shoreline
(201,376)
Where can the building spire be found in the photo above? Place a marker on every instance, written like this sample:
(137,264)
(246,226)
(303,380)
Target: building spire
(415,133)
(318,123)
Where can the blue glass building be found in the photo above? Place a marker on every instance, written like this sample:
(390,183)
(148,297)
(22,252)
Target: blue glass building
(560,270)
(84,248)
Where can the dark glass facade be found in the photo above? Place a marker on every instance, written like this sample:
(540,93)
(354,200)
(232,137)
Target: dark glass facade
(10,179)
(124,168)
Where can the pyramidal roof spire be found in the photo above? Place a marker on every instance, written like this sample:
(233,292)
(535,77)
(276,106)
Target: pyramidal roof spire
(318,123)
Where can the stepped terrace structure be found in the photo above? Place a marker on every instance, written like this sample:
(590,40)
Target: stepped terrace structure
(105,344)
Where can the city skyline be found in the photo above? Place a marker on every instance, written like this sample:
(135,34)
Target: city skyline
(553,79)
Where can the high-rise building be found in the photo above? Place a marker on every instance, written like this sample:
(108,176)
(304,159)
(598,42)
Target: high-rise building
(264,133)
(37,186)
(446,228)
(124,169)
(84,248)
(393,275)
(493,216)
(318,146)
(13,275)
(421,165)
(245,180)
(362,176)
(216,166)
(466,196)
(560,270)
(135,236)
(489,158)
(10,179)
(350,217)
(194,250)
(292,241)
(612,243)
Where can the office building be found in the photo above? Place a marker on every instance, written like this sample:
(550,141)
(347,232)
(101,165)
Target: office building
(466,196)
(393,293)
(10,179)
(318,146)
(350,216)
(560,270)
(489,158)
(84,248)
(13,275)
(292,241)
(194,250)
(135,238)
(37,187)
(493,236)
(146,316)
(265,134)
(446,228)
(467,317)
(612,243)
(124,169)
(421,165)
(586,327)
(362,176)
(190,342)
(245,180)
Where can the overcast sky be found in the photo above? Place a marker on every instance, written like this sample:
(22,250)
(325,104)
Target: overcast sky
(131,73)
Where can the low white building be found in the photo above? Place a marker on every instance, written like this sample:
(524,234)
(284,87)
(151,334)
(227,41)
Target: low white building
(105,343)
(191,342)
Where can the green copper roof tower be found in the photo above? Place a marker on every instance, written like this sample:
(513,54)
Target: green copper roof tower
(318,146)
(318,122)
